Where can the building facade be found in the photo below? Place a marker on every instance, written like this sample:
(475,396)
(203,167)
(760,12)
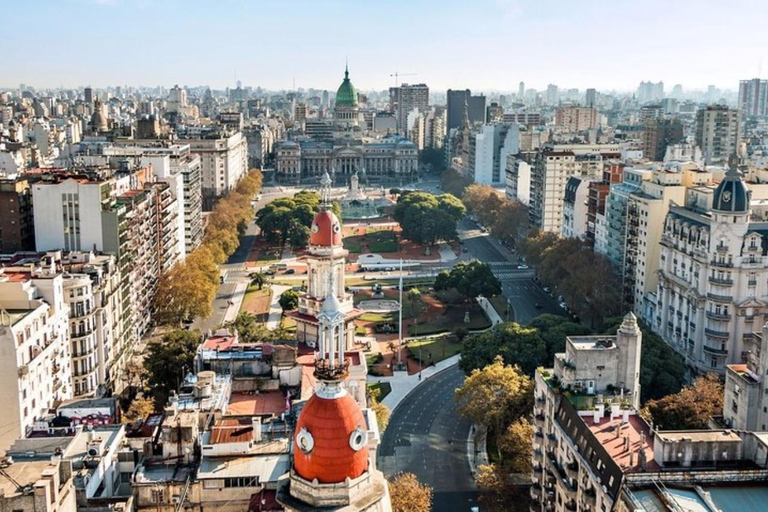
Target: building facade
(753,97)
(17,232)
(404,98)
(718,133)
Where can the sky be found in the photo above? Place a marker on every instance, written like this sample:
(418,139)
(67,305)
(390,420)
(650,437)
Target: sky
(484,45)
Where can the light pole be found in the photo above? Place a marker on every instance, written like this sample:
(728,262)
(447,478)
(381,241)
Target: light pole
(400,326)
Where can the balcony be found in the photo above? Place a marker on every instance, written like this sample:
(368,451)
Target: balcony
(539,420)
(720,298)
(571,505)
(717,334)
(722,281)
(535,493)
(537,456)
(590,497)
(572,470)
(551,441)
(718,316)
(714,351)
(721,264)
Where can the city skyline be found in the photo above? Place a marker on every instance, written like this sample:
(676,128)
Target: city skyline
(488,45)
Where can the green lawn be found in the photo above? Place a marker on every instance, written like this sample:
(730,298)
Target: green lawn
(384,389)
(451,319)
(354,244)
(375,317)
(434,350)
(268,256)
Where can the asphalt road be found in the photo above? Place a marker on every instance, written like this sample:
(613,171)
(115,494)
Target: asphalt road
(427,437)
(522,292)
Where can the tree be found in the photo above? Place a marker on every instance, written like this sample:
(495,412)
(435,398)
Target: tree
(690,408)
(453,182)
(511,224)
(426,218)
(553,329)
(432,158)
(140,408)
(289,299)
(495,395)
(413,295)
(259,279)
(183,292)
(409,495)
(381,411)
(168,360)
(516,447)
(250,331)
(514,343)
(483,201)
(470,280)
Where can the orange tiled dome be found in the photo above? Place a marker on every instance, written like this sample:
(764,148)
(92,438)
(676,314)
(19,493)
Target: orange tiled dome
(331,440)
(326,230)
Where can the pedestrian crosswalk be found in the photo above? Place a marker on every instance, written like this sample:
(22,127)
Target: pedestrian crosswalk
(514,274)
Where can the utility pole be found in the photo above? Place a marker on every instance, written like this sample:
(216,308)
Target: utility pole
(400,336)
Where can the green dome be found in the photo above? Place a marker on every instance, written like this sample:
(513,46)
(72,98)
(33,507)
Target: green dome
(346,95)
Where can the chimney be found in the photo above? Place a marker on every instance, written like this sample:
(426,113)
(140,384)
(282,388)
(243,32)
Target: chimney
(256,422)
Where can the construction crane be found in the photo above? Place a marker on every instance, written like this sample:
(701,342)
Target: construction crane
(398,75)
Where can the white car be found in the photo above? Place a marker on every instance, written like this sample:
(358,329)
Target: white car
(522,267)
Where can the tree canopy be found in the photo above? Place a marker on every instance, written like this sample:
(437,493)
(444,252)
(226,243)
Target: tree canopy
(470,280)
(409,495)
(453,182)
(507,220)
(289,299)
(250,331)
(427,218)
(167,361)
(690,408)
(289,219)
(495,395)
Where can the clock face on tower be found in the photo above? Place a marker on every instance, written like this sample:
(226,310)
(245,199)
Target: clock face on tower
(727,196)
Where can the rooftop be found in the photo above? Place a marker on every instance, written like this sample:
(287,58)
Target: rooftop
(263,468)
(612,434)
(743,371)
(592,342)
(265,403)
(232,430)
(25,474)
(724,498)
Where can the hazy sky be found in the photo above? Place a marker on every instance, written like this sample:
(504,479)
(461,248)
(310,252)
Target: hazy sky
(480,44)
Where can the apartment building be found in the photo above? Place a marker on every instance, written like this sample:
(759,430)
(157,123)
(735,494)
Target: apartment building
(224,160)
(17,232)
(718,133)
(712,275)
(404,98)
(576,119)
(551,168)
(489,148)
(35,365)
(575,208)
(658,135)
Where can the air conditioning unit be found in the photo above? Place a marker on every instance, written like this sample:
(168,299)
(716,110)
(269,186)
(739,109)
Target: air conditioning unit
(175,500)
(23,370)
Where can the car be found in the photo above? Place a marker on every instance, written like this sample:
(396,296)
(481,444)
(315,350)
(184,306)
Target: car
(290,271)
(465,250)
(522,267)
(483,229)
(269,272)
(537,305)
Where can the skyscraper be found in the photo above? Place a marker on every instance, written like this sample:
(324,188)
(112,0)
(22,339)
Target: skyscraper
(753,97)
(591,97)
(521,91)
(456,100)
(553,94)
(717,133)
(405,98)
(88,95)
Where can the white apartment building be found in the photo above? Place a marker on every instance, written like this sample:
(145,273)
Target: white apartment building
(34,365)
(550,169)
(224,160)
(518,177)
(489,149)
(713,275)
(575,208)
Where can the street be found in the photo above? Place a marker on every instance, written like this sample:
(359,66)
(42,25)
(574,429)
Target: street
(522,292)
(427,437)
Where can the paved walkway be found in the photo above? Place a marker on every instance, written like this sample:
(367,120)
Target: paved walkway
(237,300)
(275,311)
(446,253)
(402,383)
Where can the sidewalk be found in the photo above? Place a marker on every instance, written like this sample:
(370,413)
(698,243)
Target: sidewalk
(477,454)
(402,383)
(237,301)
(275,311)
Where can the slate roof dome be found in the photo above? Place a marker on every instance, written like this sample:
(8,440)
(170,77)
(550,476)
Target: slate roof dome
(325,230)
(331,440)
(346,94)
(731,195)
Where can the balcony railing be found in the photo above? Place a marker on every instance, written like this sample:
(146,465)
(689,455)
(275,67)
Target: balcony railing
(715,351)
(721,281)
(717,334)
(718,316)
(721,264)
(719,298)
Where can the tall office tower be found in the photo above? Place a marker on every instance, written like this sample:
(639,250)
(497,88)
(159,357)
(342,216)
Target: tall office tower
(717,133)
(456,101)
(753,97)
(553,94)
(591,97)
(649,91)
(88,95)
(658,134)
(405,98)
(521,91)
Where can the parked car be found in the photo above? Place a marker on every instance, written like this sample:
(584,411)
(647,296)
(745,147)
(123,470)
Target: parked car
(522,267)
(290,271)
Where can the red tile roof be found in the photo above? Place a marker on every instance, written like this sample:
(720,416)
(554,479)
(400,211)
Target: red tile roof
(232,430)
(639,435)
(265,403)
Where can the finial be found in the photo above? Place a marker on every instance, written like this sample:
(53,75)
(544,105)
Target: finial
(346,67)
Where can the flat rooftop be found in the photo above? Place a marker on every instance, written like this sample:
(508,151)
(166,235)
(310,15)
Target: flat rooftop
(592,342)
(612,435)
(24,473)
(724,498)
(265,403)
(742,370)
(698,435)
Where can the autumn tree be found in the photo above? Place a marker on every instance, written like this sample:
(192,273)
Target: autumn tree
(484,202)
(183,292)
(381,411)
(516,447)
(470,280)
(498,493)
(690,408)
(511,224)
(454,182)
(407,494)
(495,396)
(140,408)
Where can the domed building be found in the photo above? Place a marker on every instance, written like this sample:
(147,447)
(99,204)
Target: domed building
(99,122)
(345,149)
(346,112)
(712,295)
(335,439)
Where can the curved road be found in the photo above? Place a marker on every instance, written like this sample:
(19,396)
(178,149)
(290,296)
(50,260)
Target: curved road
(427,437)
